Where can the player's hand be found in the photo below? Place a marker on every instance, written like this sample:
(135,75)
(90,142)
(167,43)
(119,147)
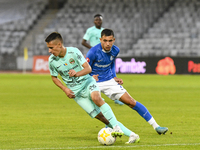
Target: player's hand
(118,80)
(96,77)
(69,93)
(72,73)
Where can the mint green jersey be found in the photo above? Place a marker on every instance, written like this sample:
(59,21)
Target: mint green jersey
(73,59)
(93,35)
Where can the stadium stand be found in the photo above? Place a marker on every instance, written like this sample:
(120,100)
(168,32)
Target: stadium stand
(176,33)
(142,27)
(16,19)
(76,16)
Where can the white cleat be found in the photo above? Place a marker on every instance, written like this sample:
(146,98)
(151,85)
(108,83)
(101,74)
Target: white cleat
(117,131)
(133,139)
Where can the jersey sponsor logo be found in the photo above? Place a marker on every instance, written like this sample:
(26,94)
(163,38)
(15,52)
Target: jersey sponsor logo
(65,72)
(71,61)
(102,66)
(65,64)
(75,81)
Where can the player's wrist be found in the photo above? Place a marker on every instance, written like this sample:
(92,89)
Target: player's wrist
(75,75)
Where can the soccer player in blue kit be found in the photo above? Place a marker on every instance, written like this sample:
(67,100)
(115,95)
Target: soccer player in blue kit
(102,60)
(74,70)
(93,35)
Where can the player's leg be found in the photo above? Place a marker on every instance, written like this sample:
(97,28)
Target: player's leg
(91,109)
(107,112)
(143,112)
(126,131)
(133,138)
(105,88)
(103,119)
(103,85)
(118,102)
(115,91)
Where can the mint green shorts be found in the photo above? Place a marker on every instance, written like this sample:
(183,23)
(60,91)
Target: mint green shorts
(83,98)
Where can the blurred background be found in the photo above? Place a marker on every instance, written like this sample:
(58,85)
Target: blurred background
(143,28)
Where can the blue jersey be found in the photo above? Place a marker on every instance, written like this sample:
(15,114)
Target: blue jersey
(102,62)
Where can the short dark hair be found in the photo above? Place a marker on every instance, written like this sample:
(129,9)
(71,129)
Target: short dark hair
(54,36)
(98,15)
(107,32)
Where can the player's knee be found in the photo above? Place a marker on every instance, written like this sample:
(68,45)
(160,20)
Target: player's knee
(132,103)
(96,99)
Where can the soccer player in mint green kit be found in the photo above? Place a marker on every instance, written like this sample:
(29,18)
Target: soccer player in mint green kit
(102,60)
(74,70)
(93,35)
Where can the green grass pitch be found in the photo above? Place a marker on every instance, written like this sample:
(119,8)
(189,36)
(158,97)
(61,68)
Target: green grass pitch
(37,115)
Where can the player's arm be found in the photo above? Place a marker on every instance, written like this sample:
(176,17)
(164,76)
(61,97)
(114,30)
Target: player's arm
(67,91)
(86,38)
(113,68)
(84,43)
(86,70)
(90,57)
(118,80)
(96,77)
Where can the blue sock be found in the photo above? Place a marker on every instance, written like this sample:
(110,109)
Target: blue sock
(142,110)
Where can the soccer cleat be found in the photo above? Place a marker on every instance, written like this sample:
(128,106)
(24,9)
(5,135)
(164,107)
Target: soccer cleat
(117,131)
(161,130)
(133,139)
(119,102)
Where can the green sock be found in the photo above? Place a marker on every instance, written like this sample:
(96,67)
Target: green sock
(108,114)
(126,131)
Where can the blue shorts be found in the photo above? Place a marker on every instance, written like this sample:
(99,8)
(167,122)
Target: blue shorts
(83,98)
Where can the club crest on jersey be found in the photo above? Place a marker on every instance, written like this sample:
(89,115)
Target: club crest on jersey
(65,64)
(71,61)
(111,57)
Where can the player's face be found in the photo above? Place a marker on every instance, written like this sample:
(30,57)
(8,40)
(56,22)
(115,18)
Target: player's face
(54,47)
(98,22)
(107,42)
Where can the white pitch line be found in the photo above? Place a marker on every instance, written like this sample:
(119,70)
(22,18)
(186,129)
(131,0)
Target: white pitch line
(102,147)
